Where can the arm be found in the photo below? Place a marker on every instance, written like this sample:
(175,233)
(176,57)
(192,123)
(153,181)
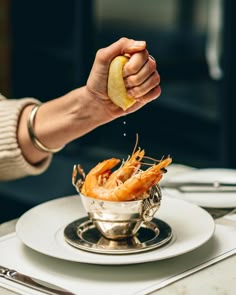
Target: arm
(71,116)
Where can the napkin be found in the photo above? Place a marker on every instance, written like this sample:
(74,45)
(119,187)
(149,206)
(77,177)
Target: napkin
(138,279)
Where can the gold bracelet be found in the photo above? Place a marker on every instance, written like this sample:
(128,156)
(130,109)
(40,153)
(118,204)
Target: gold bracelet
(33,137)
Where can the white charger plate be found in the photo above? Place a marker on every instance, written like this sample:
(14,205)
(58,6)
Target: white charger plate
(205,199)
(41,228)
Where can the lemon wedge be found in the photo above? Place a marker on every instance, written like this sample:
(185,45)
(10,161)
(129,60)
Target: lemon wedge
(117,91)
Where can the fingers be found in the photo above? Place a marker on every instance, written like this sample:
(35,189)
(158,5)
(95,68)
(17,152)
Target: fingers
(150,96)
(141,76)
(120,47)
(142,89)
(135,64)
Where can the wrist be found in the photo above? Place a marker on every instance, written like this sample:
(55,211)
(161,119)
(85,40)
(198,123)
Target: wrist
(33,137)
(30,153)
(88,110)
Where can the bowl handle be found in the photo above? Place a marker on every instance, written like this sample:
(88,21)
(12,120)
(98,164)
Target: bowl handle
(152,203)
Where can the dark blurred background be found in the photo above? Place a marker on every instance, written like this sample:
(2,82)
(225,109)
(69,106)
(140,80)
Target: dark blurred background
(47,48)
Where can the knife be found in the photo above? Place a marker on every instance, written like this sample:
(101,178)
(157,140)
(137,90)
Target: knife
(33,283)
(192,187)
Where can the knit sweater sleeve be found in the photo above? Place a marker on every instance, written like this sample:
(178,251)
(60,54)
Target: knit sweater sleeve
(13,165)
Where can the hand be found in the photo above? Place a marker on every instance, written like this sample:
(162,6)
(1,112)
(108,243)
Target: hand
(140,75)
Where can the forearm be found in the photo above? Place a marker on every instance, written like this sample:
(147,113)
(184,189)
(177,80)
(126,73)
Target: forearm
(61,121)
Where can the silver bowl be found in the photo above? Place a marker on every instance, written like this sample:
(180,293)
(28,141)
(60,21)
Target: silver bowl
(121,220)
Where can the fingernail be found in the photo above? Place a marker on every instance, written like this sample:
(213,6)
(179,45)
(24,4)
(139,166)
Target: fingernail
(139,43)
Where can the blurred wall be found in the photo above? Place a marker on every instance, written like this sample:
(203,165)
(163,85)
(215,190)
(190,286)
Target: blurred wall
(149,14)
(5,46)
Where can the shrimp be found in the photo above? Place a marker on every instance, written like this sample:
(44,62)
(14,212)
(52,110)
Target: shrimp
(98,175)
(126,170)
(132,188)
(141,182)
(128,167)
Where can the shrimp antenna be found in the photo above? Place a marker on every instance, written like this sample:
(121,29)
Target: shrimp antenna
(152,159)
(136,144)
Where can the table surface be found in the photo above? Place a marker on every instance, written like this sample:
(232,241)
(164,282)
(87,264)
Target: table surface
(219,278)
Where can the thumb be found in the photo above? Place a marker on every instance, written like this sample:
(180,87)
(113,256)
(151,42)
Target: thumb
(134,46)
(122,46)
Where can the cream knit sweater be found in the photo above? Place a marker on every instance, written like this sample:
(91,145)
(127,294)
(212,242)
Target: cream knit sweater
(12,163)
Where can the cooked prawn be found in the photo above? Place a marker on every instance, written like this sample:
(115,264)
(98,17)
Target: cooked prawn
(128,167)
(126,170)
(98,175)
(127,188)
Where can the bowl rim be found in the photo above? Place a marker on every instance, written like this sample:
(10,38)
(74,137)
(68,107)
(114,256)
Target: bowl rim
(112,202)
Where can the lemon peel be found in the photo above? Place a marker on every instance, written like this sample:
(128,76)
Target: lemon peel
(117,91)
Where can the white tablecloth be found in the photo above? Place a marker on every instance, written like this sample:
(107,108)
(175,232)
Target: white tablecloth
(138,279)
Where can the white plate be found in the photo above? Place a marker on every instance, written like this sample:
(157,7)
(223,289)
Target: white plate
(41,228)
(204,199)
